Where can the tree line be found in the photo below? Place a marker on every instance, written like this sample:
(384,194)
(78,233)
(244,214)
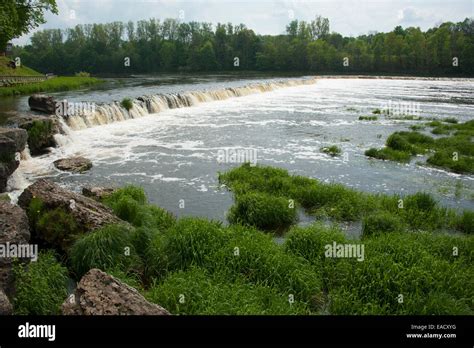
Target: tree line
(151,46)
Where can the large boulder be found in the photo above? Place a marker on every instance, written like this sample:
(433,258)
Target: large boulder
(12,141)
(14,229)
(41,131)
(43,103)
(101,294)
(76,164)
(58,216)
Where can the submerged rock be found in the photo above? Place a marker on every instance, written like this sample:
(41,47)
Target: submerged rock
(101,294)
(14,229)
(97,193)
(12,141)
(61,215)
(43,103)
(77,164)
(6,307)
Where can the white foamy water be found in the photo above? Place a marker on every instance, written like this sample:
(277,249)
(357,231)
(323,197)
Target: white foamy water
(173,153)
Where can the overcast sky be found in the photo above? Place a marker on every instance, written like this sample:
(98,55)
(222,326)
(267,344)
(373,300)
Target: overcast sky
(348,17)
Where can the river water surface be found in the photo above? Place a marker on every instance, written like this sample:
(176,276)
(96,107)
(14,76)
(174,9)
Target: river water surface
(173,154)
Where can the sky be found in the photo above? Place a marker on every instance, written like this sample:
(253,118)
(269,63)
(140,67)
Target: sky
(347,17)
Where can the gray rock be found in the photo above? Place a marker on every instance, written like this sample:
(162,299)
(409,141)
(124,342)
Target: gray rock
(43,103)
(101,294)
(82,213)
(97,193)
(12,140)
(77,164)
(6,307)
(14,229)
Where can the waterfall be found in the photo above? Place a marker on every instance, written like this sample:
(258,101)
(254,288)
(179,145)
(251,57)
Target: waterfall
(145,105)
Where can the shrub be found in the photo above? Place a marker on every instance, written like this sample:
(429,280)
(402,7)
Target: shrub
(82,74)
(109,247)
(332,150)
(382,222)
(41,286)
(204,294)
(126,103)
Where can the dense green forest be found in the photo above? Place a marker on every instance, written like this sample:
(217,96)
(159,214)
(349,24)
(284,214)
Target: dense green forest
(171,46)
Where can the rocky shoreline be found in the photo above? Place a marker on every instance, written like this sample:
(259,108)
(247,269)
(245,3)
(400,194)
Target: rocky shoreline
(96,293)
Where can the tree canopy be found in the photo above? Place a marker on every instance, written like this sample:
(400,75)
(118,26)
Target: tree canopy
(173,46)
(18,17)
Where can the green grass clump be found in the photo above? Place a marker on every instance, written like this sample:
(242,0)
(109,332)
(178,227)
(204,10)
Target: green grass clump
(452,120)
(332,150)
(41,286)
(368,118)
(130,204)
(446,160)
(377,112)
(190,242)
(383,222)
(195,292)
(466,222)
(55,84)
(127,103)
(259,260)
(56,226)
(109,247)
(387,153)
(264,211)
(419,266)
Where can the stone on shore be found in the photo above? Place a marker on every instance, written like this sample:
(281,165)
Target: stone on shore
(101,294)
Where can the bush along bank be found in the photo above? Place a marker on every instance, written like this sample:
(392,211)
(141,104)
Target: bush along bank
(404,264)
(453,150)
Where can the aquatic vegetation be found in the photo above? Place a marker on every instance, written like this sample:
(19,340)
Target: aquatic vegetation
(377,111)
(264,211)
(332,150)
(126,103)
(41,286)
(368,118)
(130,204)
(454,153)
(417,212)
(382,222)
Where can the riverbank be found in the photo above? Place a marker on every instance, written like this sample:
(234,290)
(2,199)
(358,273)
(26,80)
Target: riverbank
(56,84)
(196,266)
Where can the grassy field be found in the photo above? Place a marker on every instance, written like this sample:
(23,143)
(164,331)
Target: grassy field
(61,83)
(22,70)
(411,265)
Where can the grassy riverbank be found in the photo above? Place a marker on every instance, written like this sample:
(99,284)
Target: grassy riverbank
(411,265)
(61,83)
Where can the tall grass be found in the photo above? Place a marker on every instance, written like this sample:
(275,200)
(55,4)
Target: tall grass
(41,286)
(61,83)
